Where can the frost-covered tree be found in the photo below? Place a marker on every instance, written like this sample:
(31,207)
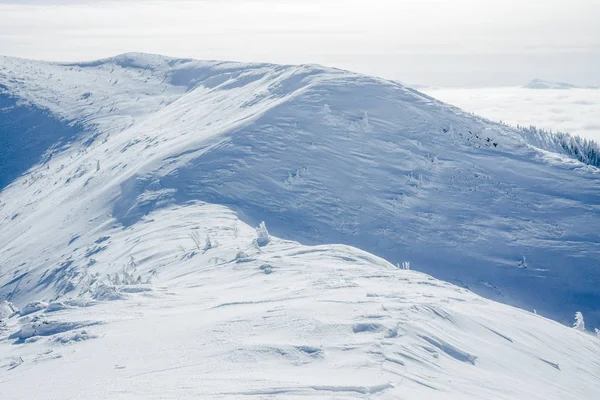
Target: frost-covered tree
(405,265)
(262,233)
(523,263)
(579,324)
(7,309)
(585,150)
(597,332)
(365,121)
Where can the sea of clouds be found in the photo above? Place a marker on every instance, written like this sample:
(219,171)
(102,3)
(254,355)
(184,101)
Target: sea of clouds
(576,111)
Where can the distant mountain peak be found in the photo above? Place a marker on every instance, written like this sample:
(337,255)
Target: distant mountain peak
(542,84)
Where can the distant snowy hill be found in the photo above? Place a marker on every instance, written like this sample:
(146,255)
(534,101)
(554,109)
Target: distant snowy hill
(542,84)
(120,179)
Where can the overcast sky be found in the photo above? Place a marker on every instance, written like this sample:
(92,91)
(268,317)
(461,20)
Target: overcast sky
(431,42)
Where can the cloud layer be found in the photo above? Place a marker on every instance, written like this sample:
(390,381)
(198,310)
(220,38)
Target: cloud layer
(576,111)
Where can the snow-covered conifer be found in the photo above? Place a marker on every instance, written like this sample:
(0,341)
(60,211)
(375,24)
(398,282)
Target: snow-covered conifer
(579,324)
(263,237)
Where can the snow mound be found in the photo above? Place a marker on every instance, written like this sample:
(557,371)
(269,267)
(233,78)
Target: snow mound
(33,307)
(56,306)
(43,327)
(73,337)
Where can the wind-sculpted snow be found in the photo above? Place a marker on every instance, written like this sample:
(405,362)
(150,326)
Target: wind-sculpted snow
(321,155)
(326,322)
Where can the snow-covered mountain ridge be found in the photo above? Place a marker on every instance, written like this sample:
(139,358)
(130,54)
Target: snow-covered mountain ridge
(321,155)
(542,84)
(137,288)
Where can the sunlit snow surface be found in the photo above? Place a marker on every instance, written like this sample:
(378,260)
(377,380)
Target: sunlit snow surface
(323,156)
(284,321)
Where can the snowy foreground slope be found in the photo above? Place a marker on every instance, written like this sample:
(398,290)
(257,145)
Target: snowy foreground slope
(119,169)
(321,155)
(235,320)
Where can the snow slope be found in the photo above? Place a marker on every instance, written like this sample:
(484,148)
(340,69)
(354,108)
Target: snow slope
(321,155)
(279,321)
(133,148)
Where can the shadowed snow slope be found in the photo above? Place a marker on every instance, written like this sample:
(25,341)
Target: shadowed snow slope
(233,320)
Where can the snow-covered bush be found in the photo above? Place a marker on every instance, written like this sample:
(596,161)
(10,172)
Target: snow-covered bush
(579,324)
(128,275)
(124,278)
(207,244)
(242,256)
(185,254)
(267,269)
(195,236)
(597,332)
(115,286)
(105,292)
(7,309)
(405,265)
(73,337)
(262,233)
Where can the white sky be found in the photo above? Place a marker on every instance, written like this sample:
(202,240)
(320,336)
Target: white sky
(432,42)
